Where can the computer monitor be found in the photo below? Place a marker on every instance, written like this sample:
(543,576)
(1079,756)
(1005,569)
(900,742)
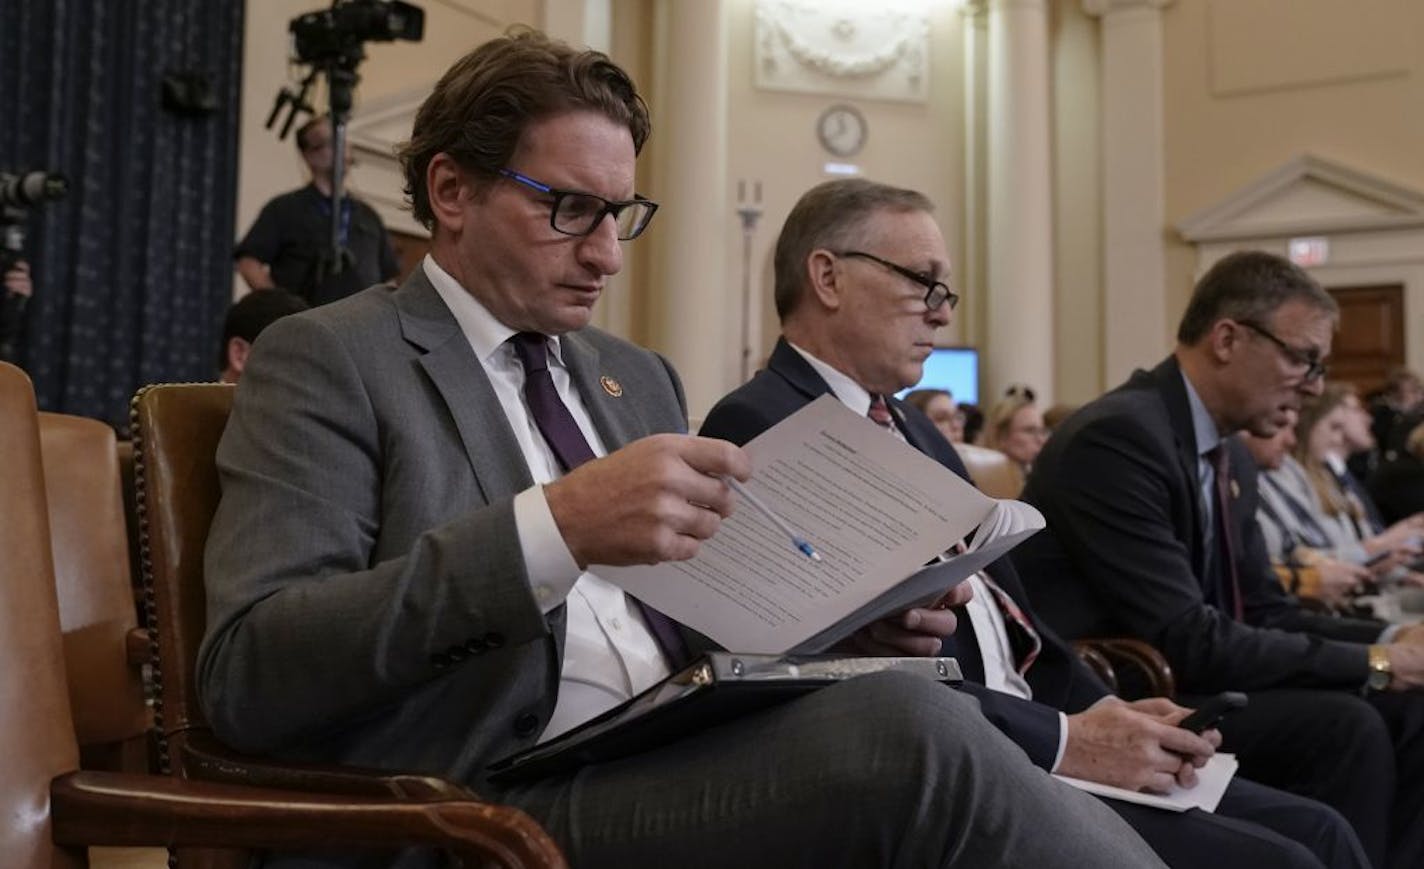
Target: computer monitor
(953,368)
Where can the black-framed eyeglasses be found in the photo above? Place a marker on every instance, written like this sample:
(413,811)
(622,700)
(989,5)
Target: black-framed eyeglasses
(574,212)
(1315,367)
(936,292)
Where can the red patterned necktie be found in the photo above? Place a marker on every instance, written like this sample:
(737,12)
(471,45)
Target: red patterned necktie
(879,411)
(1024,641)
(562,433)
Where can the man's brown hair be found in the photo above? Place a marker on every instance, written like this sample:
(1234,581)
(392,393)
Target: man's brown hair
(1248,286)
(482,105)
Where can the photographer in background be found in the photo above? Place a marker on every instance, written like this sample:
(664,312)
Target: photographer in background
(290,243)
(16,292)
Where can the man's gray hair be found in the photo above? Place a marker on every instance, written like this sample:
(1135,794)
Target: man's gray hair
(831,215)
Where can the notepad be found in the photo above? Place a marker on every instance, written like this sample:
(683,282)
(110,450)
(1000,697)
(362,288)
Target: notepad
(1212,780)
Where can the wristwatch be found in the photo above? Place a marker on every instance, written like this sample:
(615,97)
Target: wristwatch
(1379,669)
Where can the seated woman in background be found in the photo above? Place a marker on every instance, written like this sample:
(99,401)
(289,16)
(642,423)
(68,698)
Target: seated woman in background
(1014,427)
(1294,542)
(939,406)
(1341,517)
(1398,485)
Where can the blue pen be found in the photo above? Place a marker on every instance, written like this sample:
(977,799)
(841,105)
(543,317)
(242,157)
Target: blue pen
(796,540)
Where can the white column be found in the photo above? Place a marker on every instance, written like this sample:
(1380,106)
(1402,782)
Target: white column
(969,270)
(692,286)
(1019,295)
(1135,329)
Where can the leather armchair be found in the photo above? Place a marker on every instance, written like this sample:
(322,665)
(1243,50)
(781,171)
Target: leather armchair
(176,431)
(53,811)
(996,475)
(104,647)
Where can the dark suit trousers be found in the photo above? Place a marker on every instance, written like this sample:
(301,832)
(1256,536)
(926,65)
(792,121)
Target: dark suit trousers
(1363,757)
(875,771)
(1254,827)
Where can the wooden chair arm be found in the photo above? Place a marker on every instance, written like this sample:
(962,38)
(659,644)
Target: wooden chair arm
(1098,663)
(92,808)
(207,759)
(1155,674)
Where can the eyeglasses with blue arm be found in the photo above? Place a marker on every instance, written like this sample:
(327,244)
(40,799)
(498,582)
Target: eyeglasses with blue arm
(574,212)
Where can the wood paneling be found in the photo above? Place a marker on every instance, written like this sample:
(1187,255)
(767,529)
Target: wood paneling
(1371,337)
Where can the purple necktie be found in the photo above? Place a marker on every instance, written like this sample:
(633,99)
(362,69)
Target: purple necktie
(566,440)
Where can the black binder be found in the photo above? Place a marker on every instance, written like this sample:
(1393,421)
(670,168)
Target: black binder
(716,688)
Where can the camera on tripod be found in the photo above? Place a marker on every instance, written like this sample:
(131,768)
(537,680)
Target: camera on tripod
(20,191)
(28,189)
(336,34)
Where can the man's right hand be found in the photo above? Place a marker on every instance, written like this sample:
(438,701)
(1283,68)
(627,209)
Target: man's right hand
(1406,664)
(1116,743)
(654,500)
(17,280)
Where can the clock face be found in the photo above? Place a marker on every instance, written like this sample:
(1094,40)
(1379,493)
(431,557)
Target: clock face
(842,130)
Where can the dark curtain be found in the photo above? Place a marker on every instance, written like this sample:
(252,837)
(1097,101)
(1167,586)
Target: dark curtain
(132,270)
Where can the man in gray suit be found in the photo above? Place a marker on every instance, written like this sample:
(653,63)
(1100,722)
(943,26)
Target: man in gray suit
(432,471)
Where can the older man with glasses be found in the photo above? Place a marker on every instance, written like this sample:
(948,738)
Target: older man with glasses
(1151,500)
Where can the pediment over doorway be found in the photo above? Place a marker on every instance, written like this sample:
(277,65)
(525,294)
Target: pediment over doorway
(1308,195)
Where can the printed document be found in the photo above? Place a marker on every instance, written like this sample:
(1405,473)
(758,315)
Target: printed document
(876,510)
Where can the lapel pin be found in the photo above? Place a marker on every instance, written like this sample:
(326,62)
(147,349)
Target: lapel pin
(1235,489)
(611,386)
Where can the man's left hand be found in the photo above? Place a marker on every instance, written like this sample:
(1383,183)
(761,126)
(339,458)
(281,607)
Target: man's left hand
(919,632)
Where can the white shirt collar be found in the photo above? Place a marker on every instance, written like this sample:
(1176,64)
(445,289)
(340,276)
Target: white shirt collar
(486,334)
(850,393)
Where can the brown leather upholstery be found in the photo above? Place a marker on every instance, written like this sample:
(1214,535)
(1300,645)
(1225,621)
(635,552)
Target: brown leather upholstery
(89,541)
(33,691)
(176,432)
(51,812)
(994,473)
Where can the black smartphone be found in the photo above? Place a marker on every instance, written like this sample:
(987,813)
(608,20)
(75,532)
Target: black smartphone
(1206,716)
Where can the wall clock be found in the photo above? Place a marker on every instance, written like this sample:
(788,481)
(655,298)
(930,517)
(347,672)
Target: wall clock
(842,130)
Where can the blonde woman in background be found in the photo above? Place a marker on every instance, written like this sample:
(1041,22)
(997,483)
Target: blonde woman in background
(1320,434)
(1014,427)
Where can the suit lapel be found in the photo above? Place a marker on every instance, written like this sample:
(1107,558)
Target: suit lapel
(611,415)
(494,454)
(795,370)
(1179,414)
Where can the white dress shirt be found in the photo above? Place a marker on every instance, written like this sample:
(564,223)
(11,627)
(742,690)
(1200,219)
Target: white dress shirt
(989,629)
(609,653)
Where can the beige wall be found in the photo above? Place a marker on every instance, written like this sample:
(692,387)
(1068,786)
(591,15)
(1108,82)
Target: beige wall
(1250,83)
(772,137)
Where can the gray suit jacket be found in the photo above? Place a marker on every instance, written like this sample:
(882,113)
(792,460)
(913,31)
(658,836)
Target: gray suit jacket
(367,597)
